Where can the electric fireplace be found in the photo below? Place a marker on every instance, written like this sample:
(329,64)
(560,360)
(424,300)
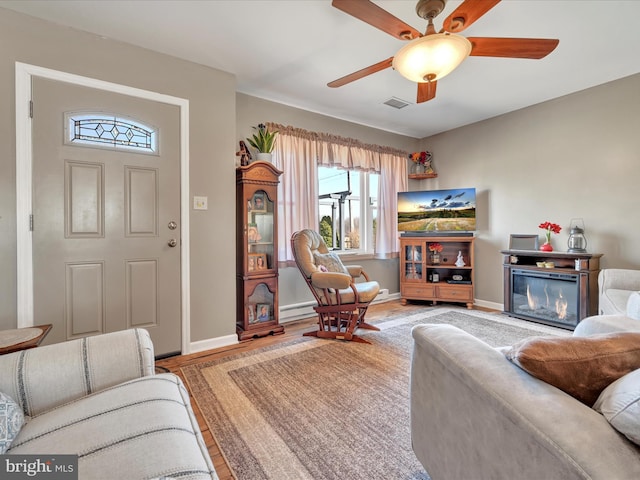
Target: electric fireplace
(545,297)
(560,295)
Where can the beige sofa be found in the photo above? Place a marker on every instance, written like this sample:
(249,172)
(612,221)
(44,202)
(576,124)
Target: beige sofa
(476,415)
(615,285)
(99,398)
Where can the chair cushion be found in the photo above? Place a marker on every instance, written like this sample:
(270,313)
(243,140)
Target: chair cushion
(367,292)
(620,405)
(633,306)
(331,261)
(144,428)
(11,421)
(617,300)
(580,366)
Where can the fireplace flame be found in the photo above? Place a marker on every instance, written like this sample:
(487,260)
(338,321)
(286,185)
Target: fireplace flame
(561,306)
(531,300)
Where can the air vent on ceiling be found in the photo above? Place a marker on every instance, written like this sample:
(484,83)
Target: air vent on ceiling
(396,103)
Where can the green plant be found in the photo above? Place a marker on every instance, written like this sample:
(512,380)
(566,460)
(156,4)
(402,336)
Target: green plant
(263,140)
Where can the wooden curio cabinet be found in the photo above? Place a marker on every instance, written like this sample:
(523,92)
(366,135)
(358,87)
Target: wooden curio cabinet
(437,268)
(257,251)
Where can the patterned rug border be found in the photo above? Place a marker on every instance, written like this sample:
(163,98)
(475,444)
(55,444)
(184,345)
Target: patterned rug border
(193,374)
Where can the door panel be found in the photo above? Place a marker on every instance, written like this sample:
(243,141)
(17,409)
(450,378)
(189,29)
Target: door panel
(84,296)
(84,201)
(101,257)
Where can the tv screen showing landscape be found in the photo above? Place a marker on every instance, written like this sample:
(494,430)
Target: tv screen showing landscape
(452,210)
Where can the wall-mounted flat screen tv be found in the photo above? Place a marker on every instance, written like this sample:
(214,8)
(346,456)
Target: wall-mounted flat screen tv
(452,210)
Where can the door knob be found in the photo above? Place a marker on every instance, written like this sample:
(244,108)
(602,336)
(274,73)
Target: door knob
(172,243)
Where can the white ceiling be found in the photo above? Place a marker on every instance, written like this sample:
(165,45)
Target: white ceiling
(287,51)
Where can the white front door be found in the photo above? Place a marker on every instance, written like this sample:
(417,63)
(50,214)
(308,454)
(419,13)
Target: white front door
(106,220)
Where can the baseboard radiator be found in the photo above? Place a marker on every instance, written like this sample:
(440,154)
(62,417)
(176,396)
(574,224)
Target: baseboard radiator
(296,311)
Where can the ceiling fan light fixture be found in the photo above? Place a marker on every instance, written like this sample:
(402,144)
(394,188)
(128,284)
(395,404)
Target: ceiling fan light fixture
(431,57)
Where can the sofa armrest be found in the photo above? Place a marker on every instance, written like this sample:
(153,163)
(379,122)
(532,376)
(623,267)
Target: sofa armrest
(618,278)
(606,324)
(42,378)
(474,414)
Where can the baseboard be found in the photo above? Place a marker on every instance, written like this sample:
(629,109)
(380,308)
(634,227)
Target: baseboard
(491,305)
(298,311)
(211,343)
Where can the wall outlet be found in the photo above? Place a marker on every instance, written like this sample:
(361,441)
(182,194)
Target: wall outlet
(200,203)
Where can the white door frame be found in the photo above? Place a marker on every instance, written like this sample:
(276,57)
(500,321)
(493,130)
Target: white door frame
(24,161)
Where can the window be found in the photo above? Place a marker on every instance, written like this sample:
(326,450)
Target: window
(347,208)
(109,131)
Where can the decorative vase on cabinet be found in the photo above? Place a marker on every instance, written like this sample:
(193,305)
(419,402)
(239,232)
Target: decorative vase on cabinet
(546,247)
(257,251)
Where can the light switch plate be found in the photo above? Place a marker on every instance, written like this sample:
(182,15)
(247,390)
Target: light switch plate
(200,203)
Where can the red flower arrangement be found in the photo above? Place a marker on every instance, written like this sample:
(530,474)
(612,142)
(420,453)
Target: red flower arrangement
(435,247)
(420,158)
(550,227)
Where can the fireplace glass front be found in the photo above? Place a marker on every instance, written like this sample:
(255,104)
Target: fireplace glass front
(545,297)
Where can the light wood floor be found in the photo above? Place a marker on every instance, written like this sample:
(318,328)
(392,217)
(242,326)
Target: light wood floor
(292,330)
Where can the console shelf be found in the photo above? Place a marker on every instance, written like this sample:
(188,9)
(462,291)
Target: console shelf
(423,277)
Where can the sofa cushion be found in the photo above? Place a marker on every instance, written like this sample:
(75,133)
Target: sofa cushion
(330,261)
(620,404)
(580,366)
(144,428)
(11,421)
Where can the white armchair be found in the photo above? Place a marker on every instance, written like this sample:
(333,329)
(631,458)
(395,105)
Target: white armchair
(614,288)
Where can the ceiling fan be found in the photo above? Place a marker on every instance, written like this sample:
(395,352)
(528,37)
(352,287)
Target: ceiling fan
(429,57)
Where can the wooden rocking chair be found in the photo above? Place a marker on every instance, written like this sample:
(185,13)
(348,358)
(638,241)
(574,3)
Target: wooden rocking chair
(342,302)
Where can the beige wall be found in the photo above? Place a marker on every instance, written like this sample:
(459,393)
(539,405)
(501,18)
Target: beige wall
(251,111)
(211,94)
(575,156)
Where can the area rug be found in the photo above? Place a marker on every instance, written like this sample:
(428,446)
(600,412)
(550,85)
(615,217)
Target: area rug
(326,409)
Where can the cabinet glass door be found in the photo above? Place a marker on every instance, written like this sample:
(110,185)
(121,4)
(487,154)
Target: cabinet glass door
(260,232)
(413,264)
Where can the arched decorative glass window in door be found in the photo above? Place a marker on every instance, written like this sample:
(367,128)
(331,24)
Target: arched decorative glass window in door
(103,130)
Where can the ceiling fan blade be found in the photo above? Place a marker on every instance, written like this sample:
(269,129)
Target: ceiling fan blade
(361,73)
(467,12)
(372,14)
(534,48)
(427,91)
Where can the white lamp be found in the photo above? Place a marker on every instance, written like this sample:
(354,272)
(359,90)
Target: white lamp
(431,57)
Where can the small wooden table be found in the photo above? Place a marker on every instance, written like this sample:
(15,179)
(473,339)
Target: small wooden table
(22,338)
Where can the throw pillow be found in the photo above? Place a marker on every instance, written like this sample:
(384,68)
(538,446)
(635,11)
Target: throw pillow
(11,421)
(330,261)
(580,366)
(620,405)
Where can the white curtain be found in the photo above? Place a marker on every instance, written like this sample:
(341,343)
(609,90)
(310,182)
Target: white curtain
(297,153)
(393,179)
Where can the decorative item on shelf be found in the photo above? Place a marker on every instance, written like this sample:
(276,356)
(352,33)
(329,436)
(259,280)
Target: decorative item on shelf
(549,227)
(263,141)
(244,154)
(577,242)
(422,162)
(253,234)
(460,260)
(435,249)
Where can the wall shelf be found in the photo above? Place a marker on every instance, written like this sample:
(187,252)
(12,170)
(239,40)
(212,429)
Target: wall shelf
(421,176)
